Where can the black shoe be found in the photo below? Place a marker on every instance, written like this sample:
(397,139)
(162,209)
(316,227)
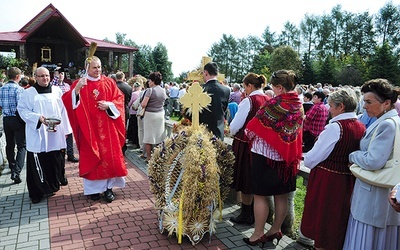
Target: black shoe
(72,159)
(245,216)
(35,201)
(109,195)
(64,182)
(95,197)
(17,179)
(241,219)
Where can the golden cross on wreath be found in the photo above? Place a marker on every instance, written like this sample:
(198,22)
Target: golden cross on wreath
(195,99)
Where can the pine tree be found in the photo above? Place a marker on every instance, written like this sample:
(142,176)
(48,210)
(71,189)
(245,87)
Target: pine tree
(384,65)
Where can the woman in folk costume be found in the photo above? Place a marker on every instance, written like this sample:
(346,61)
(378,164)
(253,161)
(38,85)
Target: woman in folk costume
(327,209)
(373,223)
(45,164)
(275,136)
(248,107)
(95,108)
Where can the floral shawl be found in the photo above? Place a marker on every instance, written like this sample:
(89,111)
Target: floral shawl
(278,123)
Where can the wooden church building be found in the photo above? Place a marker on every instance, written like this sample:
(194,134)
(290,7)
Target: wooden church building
(50,40)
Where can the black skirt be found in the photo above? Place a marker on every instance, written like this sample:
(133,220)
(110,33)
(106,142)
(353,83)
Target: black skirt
(266,180)
(242,167)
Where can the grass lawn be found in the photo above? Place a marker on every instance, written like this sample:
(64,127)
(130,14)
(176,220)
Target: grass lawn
(174,118)
(299,202)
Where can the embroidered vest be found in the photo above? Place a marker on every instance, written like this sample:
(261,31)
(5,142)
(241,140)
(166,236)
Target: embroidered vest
(351,131)
(256,101)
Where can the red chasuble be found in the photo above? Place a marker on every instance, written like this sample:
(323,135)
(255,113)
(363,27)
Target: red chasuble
(99,137)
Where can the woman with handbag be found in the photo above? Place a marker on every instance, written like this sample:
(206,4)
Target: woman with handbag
(153,118)
(373,223)
(326,209)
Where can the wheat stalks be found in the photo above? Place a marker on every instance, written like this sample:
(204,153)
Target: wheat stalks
(92,50)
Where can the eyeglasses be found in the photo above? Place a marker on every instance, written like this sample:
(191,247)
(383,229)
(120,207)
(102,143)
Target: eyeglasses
(41,76)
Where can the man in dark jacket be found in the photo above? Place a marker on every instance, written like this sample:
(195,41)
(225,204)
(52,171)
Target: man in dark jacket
(214,118)
(127,90)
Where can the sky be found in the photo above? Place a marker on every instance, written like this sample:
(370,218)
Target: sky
(187,29)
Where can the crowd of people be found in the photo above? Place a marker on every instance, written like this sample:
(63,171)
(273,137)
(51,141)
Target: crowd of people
(340,210)
(275,124)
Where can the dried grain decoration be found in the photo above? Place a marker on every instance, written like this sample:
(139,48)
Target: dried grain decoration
(190,176)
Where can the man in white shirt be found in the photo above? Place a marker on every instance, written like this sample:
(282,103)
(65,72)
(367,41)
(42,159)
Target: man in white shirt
(45,146)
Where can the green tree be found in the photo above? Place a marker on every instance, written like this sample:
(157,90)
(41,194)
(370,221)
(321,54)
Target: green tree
(350,76)
(349,26)
(246,51)
(161,62)
(143,61)
(7,61)
(242,61)
(307,72)
(290,36)
(269,40)
(361,65)
(361,35)
(326,43)
(324,33)
(182,77)
(308,29)
(255,47)
(285,57)
(262,63)
(225,54)
(326,72)
(120,37)
(384,64)
(388,24)
(337,24)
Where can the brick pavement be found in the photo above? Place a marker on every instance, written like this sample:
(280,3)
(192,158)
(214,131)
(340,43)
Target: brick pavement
(69,220)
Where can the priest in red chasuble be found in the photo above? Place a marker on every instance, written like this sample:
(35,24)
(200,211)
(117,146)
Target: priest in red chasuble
(95,109)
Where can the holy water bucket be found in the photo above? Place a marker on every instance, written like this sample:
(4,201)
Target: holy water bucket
(52,123)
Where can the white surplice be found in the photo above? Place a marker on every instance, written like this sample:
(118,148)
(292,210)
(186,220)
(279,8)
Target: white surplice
(30,107)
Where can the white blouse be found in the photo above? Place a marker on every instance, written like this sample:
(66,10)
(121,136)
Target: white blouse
(241,115)
(326,141)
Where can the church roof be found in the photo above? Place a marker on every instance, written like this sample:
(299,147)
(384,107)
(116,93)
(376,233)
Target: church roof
(55,22)
(12,37)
